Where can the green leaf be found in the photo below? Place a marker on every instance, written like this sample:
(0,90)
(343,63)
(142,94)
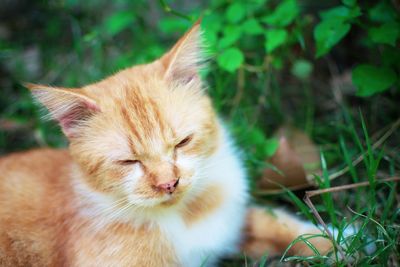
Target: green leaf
(262,146)
(252,27)
(118,22)
(254,5)
(349,2)
(284,14)
(277,62)
(90,36)
(382,12)
(302,69)
(211,22)
(231,59)
(231,35)
(271,146)
(371,80)
(328,33)
(256,136)
(235,12)
(210,39)
(341,13)
(170,25)
(217,3)
(385,34)
(274,39)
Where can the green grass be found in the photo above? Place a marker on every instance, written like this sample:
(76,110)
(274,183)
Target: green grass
(372,209)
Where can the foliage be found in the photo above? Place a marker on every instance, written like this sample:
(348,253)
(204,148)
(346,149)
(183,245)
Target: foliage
(380,33)
(370,79)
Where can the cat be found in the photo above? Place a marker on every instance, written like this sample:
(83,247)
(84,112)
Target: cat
(151,178)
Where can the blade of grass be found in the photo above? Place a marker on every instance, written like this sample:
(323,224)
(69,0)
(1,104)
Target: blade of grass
(309,194)
(327,198)
(348,160)
(394,126)
(263,260)
(303,208)
(352,247)
(370,155)
(350,123)
(388,207)
(303,238)
(351,168)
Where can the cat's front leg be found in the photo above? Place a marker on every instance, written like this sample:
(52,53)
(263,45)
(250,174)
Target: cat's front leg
(271,232)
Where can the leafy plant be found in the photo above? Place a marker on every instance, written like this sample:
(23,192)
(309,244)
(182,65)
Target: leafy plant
(380,27)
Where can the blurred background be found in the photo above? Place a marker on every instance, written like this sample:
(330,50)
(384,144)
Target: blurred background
(320,73)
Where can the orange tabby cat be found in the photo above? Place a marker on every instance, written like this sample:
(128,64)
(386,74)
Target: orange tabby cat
(150,178)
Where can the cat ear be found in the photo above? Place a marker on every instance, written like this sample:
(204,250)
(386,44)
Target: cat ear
(68,106)
(183,61)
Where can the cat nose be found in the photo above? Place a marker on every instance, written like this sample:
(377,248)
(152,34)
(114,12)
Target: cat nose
(169,187)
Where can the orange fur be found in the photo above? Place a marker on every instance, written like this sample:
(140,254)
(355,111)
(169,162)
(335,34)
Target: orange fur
(34,185)
(271,233)
(120,245)
(203,204)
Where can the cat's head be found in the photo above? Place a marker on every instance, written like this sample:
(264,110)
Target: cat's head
(144,133)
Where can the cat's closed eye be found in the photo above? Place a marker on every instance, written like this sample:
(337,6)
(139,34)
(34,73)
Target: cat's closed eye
(128,161)
(184,141)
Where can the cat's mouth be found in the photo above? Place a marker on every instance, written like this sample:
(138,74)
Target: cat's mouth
(164,200)
(172,199)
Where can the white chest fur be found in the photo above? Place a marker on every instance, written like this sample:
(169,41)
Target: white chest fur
(219,233)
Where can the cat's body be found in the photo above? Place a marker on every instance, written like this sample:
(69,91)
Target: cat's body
(150,178)
(64,223)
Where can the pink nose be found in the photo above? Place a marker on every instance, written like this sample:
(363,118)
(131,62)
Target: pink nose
(168,187)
